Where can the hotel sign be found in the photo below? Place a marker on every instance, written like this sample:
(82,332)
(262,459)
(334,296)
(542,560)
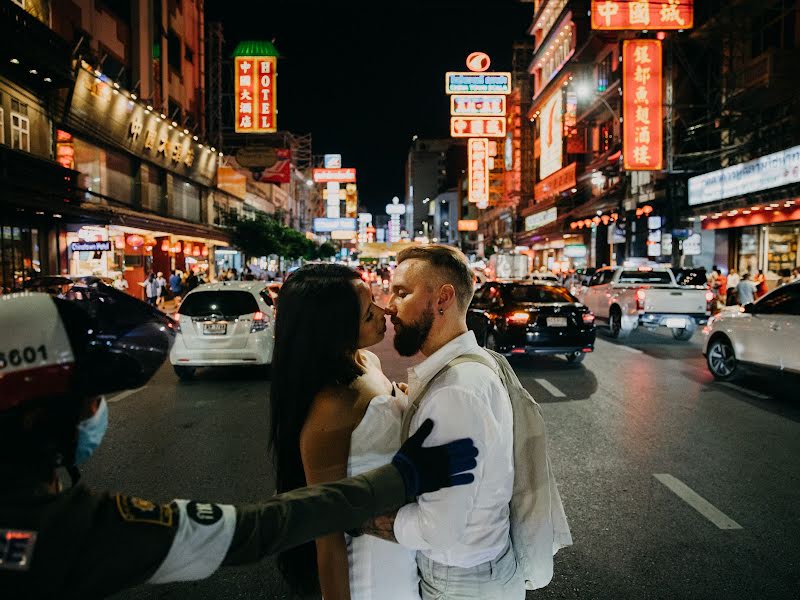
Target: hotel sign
(653,14)
(642,105)
(255,106)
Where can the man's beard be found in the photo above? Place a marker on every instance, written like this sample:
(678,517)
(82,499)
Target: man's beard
(408,339)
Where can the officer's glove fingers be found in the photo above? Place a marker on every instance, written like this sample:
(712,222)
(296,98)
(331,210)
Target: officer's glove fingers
(463,479)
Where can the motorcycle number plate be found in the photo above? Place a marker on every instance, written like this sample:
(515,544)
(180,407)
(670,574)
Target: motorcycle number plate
(556,321)
(215,328)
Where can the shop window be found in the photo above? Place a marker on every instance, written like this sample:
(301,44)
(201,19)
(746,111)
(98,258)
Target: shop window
(152,188)
(119,177)
(20,131)
(782,248)
(184,199)
(174,50)
(103,172)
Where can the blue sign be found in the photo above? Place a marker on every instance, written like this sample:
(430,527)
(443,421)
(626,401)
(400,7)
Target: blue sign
(326,225)
(477,83)
(681,234)
(90,246)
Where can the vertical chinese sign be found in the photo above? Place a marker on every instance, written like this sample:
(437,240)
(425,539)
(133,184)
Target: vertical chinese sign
(644,14)
(255,106)
(478,161)
(643,120)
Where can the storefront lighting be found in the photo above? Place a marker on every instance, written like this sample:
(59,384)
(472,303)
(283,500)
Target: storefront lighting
(185,131)
(745,212)
(733,213)
(56,216)
(755,208)
(14,61)
(195,138)
(774,205)
(703,217)
(201,145)
(220,154)
(116,92)
(213,149)
(574,190)
(134,96)
(149,107)
(165,245)
(48,80)
(204,251)
(163,116)
(98,74)
(33,72)
(174,124)
(116,85)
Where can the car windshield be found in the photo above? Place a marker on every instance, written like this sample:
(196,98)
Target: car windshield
(227,303)
(539,293)
(645,277)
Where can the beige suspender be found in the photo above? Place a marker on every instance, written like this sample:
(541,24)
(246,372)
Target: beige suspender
(414,406)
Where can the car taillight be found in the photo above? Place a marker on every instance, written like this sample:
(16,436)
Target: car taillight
(588,318)
(640,298)
(177,318)
(518,318)
(259,322)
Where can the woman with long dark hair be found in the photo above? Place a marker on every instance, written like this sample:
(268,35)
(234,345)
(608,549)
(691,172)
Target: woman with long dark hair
(335,414)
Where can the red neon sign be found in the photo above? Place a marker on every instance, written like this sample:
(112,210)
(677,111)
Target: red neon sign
(466,127)
(255,106)
(478,163)
(646,14)
(643,123)
(335,175)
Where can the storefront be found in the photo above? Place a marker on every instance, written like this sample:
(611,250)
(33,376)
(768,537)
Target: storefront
(753,209)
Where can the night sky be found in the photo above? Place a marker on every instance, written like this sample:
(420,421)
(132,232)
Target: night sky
(364,78)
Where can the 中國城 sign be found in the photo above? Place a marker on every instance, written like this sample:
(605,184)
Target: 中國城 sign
(642,15)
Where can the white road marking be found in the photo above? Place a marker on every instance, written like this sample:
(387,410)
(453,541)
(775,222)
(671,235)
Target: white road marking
(697,502)
(738,388)
(554,391)
(123,395)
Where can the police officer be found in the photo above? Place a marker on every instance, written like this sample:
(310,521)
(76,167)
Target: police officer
(57,358)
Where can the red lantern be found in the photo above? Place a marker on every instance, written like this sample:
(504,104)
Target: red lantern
(605,219)
(119,242)
(135,241)
(647,209)
(596,221)
(573,225)
(205,251)
(178,247)
(148,248)
(639,212)
(614,216)
(165,245)
(587,222)
(196,251)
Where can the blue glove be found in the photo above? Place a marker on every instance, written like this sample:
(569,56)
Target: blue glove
(435,467)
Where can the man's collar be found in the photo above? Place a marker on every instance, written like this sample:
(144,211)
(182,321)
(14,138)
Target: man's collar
(424,371)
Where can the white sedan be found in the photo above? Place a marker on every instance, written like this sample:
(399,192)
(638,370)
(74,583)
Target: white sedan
(765,334)
(223,324)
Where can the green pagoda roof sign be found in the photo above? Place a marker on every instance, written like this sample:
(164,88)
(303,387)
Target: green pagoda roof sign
(256,48)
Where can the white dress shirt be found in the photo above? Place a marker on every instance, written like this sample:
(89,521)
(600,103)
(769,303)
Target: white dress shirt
(467,525)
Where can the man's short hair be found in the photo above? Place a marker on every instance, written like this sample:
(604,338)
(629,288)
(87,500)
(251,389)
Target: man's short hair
(449,263)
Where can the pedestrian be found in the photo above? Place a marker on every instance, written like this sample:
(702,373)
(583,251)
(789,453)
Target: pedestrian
(730,292)
(191,281)
(151,289)
(745,291)
(162,289)
(72,542)
(465,536)
(760,280)
(176,286)
(120,283)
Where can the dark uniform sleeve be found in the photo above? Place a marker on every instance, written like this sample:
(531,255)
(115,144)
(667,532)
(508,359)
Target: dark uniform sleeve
(299,516)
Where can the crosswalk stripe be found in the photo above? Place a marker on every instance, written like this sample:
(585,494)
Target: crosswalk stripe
(697,502)
(554,391)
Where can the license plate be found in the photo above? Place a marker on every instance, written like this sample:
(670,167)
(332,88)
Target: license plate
(676,323)
(215,328)
(556,321)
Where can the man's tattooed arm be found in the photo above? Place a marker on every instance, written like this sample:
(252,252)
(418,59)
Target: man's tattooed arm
(381,527)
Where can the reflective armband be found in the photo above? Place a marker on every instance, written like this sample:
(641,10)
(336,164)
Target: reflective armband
(203,536)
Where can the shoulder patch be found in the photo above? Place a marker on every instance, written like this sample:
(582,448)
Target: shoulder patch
(136,510)
(16,549)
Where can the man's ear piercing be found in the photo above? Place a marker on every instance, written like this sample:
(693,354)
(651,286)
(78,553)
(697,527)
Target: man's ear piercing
(441,311)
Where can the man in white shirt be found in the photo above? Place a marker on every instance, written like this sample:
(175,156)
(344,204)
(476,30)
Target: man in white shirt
(461,535)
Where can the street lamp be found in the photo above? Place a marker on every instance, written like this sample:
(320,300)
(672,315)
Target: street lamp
(584,91)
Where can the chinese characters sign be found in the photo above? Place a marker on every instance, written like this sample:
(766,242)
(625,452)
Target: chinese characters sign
(464,127)
(255,108)
(478,106)
(551,135)
(478,162)
(641,105)
(646,14)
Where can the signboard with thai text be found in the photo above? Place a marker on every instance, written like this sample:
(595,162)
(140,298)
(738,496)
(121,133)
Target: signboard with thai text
(477,106)
(478,164)
(477,83)
(643,123)
(638,16)
(763,173)
(335,175)
(540,219)
(467,127)
(255,106)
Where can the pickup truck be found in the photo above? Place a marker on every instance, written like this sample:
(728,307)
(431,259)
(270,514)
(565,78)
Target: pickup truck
(626,298)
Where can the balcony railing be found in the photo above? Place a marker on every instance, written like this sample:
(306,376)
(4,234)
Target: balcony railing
(774,70)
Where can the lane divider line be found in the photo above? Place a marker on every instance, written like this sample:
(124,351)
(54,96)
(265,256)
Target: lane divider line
(623,347)
(743,390)
(554,391)
(697,502)
(123,395)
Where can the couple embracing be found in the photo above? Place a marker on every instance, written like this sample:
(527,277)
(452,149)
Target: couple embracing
(335,414)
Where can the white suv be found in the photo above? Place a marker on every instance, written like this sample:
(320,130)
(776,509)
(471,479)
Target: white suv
(222,324)
(764,334)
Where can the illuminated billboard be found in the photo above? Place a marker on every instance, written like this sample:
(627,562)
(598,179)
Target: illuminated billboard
(643,121)
(551,135)
(639,16)
(477,106)
(477,83)
(255,105)
(478,164)
(326,225)
(335,175)
(467,127)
